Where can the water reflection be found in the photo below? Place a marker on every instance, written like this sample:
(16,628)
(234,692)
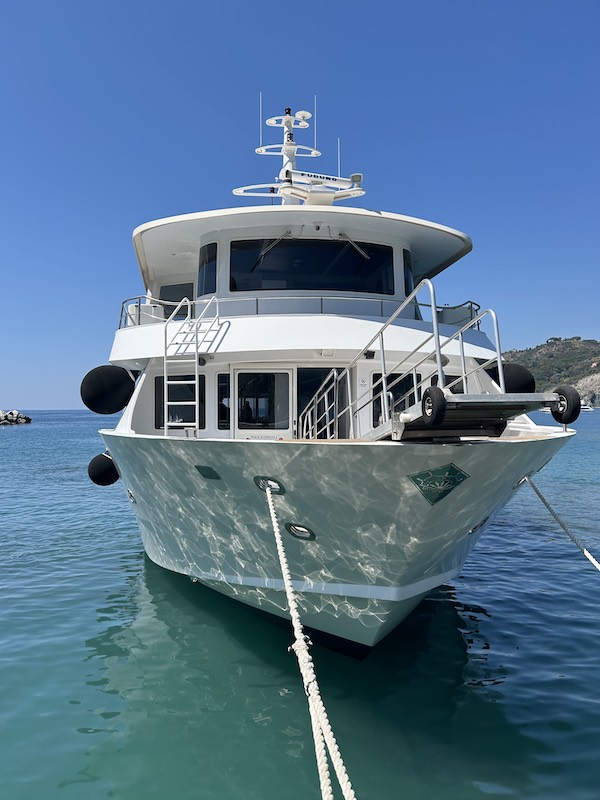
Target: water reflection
(200,692)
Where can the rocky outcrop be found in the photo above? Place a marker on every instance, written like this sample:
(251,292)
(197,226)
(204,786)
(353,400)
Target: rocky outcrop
(589,390)
(13,418)
(573,361)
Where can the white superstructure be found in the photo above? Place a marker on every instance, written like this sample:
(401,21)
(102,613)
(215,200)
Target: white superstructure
(302,344)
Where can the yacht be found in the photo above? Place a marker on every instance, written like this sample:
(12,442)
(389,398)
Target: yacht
(294,349)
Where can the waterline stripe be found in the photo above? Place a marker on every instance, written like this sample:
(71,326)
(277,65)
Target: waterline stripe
(390,593)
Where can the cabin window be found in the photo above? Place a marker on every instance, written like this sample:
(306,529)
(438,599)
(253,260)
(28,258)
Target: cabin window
(263,400)
(309,380)
(182,395)
(172,294)
(409,278)
(223,403)
(311,265)
(331,415)
(207,270)
(401,390)
(457,386)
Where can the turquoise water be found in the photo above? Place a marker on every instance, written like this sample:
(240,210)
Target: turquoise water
(120,680)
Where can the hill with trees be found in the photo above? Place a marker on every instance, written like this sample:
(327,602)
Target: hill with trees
(575,361)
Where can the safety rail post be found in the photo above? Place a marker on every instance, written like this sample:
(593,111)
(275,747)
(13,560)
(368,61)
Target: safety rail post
(436,337)
(415,385)
(498,352)
(332,409)
(334,406)
(350,414)
(385,410)
(463,362)
(197,373)
(315,423)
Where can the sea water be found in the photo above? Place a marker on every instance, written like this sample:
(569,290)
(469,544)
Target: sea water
(121,680)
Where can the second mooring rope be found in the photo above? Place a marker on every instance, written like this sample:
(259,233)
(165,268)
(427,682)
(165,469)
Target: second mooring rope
(322,733)
(573,538)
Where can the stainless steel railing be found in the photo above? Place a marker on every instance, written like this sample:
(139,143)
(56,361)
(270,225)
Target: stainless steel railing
(327,413)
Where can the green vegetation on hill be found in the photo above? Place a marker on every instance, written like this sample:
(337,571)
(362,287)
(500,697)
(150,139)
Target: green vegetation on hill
(560,361)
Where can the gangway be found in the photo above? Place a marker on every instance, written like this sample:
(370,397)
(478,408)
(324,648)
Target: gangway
(433,406)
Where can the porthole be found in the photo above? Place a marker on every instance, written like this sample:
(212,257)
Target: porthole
(300,531)
(263,482)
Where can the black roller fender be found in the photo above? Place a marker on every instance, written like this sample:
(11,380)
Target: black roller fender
(107,389)
(569,404)
(517,378)
(102,470)
(433,406)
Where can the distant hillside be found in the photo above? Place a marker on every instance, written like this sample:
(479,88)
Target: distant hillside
(575,361)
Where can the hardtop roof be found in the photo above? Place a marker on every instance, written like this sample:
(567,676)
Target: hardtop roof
(172,244)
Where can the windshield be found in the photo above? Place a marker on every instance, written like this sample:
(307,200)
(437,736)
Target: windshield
(311,265)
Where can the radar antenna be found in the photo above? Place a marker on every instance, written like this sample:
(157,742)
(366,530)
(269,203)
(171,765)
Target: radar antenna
(295,186)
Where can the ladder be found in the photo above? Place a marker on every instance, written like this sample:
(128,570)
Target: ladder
(184,339)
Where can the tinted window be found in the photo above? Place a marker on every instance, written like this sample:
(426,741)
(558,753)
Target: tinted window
(223,402)
(172,294)
(263,400)
(401,390)
(207,270)
(409,279)
(311,265)
(182,391)
(309,380)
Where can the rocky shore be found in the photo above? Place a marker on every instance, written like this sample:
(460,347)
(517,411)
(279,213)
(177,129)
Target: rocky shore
(589,389)
(13,418)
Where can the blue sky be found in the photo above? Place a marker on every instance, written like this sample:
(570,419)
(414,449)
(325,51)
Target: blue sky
(480,115)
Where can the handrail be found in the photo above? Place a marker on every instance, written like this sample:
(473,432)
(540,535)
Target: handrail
(253,301)
(309,419)
(333,377)
(126,320)
(471,305)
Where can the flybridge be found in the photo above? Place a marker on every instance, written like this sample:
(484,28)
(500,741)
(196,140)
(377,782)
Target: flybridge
(292,185)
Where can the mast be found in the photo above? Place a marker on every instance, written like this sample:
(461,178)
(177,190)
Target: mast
(292,185)
(289,147)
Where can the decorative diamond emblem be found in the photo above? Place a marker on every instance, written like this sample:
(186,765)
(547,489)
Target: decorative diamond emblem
(435,484)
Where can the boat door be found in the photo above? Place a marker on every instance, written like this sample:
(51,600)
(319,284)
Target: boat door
(263,404)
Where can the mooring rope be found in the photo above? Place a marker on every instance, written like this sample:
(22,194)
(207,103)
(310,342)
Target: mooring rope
(573,538)
(322,733)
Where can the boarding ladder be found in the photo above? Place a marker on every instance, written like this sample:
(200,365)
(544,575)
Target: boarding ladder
(185,337)
(432,406)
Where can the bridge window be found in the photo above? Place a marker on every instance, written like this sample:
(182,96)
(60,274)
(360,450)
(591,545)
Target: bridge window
(207,270)
(311,265)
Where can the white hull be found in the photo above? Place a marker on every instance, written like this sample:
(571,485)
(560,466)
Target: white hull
(381,543)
